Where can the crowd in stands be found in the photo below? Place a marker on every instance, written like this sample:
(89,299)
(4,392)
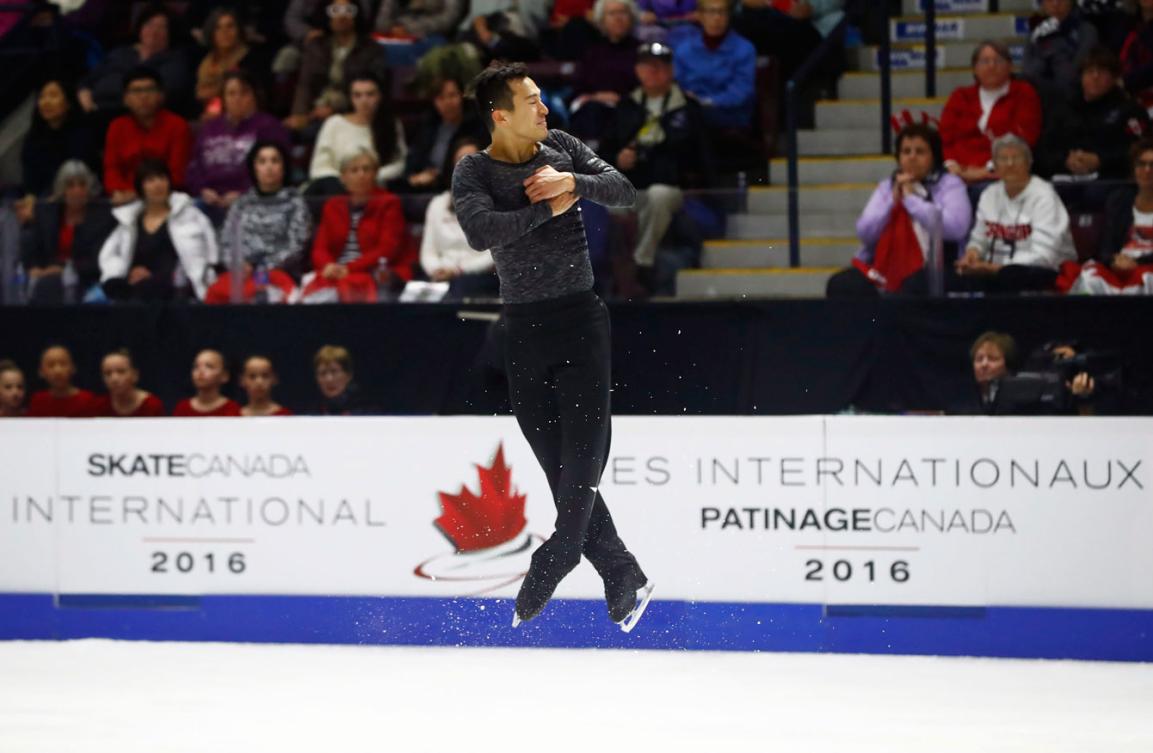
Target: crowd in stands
(337,391)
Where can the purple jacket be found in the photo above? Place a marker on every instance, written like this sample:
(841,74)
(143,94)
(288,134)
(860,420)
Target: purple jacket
(218,156)
(668,8)
(949,201)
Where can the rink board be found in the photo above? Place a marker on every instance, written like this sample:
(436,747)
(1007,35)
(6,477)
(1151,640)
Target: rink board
(998,537)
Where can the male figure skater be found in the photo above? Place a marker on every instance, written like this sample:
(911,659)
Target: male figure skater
(519,198)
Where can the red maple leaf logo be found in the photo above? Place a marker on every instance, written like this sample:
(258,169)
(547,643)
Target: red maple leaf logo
(473,522)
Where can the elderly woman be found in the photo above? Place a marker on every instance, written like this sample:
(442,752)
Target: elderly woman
(360,240)
(608,63)
(994,106)
(896,229)
(1021,235)
(62,245)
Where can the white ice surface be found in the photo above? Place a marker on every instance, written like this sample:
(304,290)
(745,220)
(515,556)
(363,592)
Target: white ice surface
(121,697)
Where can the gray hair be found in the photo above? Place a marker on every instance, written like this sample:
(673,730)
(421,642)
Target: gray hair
(1013,141)
(362,151)
(71,170)
(599,10)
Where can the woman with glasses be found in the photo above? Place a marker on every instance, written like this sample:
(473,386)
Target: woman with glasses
(995,105)
(1021,236)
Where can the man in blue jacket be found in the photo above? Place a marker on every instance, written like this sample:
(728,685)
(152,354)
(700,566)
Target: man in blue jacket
(717,66)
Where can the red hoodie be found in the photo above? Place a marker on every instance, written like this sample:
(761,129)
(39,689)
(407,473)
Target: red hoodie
(380,233)
(1018,112)
(127,144)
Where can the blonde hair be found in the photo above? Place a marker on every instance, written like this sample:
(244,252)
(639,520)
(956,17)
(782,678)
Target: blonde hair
(336,354)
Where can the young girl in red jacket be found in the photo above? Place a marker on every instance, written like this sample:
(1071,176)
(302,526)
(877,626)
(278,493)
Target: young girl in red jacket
(257,378)
(125,399)
(61,399)
(209,375)
(356,233)
(11,390)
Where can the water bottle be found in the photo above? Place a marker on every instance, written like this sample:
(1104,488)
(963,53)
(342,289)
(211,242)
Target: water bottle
(19,285)
(260,282)
(383,281)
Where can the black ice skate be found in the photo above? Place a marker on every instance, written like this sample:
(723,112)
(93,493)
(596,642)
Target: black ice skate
(628,598)
(541,580)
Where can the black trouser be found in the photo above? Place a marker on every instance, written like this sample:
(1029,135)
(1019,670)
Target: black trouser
(558,361)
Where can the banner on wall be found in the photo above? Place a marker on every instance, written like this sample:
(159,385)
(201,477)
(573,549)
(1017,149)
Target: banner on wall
(821,510)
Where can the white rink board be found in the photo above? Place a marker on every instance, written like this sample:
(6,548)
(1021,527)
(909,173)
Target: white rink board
(884,510)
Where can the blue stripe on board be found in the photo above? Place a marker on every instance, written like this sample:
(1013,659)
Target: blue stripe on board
(1027,632)
(127,601)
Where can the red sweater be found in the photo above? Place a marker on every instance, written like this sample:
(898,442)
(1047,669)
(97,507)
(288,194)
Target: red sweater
(1017,112)
(127,144)
(44,405)
(151,407)
(184,409)
(380,234)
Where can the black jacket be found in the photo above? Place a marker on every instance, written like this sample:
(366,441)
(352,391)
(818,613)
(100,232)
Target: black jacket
(418,158)
(1118,224)
(1107,127)
(41,240)
(682,159)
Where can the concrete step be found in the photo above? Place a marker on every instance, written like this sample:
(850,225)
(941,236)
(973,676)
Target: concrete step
(973,27)
(839,142)
(756,254)
(865,114)
(820,170)
(804,282)
(961,7)
(867,85)
(813,225)
(955,54)
(813,198)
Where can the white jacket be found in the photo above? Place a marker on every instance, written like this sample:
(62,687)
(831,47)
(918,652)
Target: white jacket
(192,235)
(443,245)
(1031,229)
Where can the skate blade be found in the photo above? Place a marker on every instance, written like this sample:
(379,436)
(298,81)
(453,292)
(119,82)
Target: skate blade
(643,598)
(516,620)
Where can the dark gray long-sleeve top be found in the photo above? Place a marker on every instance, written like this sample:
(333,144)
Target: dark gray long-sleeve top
(537,256)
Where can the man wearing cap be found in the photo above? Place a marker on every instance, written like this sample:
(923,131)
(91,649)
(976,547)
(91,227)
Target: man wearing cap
(657,139)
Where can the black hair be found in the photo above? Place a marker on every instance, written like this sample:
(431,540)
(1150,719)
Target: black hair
(39,125)
(262,356)
(148,13)
(1101,57)
(143,73)
(491,91)
(247,79)
(320,20)
(1139,147)
(449,165)
(124,352)
(150,167)
(383,125)
(209,28)
(8,365)
(250,159)
(928,134)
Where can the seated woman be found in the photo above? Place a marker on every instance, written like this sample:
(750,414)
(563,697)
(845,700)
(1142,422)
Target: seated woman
(370,124)
(62,245)
(1021,235)
(975,115)
(125,399)
(340,395)
(218,171)
(60,132)
(265,232)
(896,229)
(444,253)
(447,121)
(163,247)
(607,68)
(228,50)
(12,390)
(360,241)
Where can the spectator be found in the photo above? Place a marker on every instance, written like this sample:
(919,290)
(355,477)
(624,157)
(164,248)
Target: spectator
(228,50)
(125,399)
(102,89)
(369,124)
(657,139)
(784,29)
(61,399)
(991,355)
(1137,56)
(608,69)
(305,20)
(162,245)
(1041,388)
(444,253)
(424,24)
(446,123)
(1021,235)
(1055,49)
(331,62)
(359,244)
(11,390)
(148,130)
(59,132)
(569,31)
(62,246)
(716,66)
(209,375)
(656,16)
(266,229)
(906,209)
(258,379)
(1089,139)
(976,115)
(218,173)
(340,395)
(506,29)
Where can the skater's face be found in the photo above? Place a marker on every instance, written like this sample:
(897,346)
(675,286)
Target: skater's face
(208,372)
(1143,170)
(258,378)
(120,378)
(915,157)
(11,391)
(528,120)
(332,379)
(988,364)
(57,369)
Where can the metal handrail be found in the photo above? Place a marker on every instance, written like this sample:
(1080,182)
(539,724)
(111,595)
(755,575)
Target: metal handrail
(930,48)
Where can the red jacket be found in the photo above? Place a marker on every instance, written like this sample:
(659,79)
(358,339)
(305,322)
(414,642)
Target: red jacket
(1017,112)
(127,144)
(380,233)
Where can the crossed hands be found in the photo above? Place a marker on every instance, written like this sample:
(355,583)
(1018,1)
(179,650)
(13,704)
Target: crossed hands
(558,189)
(972,265)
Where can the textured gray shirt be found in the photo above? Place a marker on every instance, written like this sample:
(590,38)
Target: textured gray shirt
(537,256)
